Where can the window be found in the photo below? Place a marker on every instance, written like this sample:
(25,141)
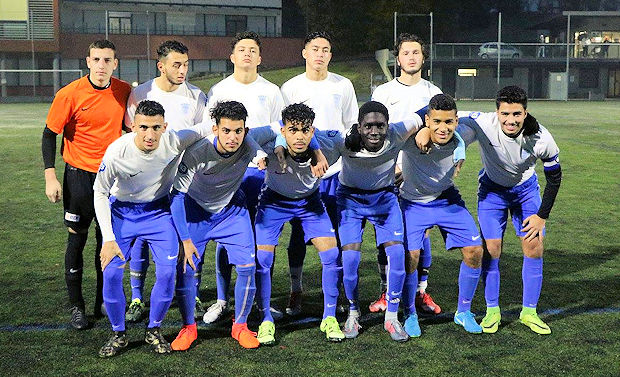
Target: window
(119,22)
(236,24)
(588,78)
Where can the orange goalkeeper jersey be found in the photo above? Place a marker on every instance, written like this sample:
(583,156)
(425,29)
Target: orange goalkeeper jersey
(90,120)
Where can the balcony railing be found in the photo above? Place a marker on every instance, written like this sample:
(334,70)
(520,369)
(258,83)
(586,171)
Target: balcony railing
(168,30)
(538,51)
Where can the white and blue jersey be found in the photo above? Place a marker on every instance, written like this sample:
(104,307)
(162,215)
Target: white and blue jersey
(293,194)
(142,181)
(508,180)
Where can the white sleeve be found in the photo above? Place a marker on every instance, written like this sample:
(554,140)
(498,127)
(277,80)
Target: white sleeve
(549,148)
(104,216)
(286,96)
(200,108)
(103,183)
(131,109)
(350,110)
(277,106)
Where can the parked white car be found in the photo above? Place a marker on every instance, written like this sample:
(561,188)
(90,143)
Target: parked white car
(489,50)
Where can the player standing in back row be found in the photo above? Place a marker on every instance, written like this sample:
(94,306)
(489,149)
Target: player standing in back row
(332,99)
(402,96)
(184,104)
(264,104)
(89,113)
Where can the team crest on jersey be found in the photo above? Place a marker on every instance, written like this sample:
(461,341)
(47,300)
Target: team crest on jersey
(185,108)
(262,99)
(337,98)
(332,133)
(182,168)
(474,114)
(102,166)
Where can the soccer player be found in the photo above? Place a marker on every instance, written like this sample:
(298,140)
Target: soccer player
(89,113)
(367,192)
(294,194)
(402,96)
(264,104)
(333,100)
(511,140)
(429,198)
(207,204)
(141,167)
(184,105)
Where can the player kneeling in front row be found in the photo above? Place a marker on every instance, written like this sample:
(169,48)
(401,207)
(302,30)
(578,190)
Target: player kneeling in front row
(429,198)
(141,164)
(207,204)
(293,194)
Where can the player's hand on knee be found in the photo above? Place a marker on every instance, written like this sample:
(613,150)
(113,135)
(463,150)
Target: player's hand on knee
(53,190)
(319,164)
(457,168)
(423,140)
(109,250)
(280,153)
(533,226)
(189,250)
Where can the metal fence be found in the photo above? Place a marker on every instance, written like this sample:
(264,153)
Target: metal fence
(540,51)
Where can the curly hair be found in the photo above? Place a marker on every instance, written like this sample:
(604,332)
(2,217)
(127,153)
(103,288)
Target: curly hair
(150,108)
(232,110)
(298,114)
(245,35)
(407,37)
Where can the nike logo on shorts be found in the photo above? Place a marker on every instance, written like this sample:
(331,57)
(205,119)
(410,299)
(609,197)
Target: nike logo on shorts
(398,233)
(173,257)
(73,270)
(473,238)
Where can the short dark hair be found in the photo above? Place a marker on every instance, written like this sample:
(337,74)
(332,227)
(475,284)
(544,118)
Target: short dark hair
(318,34)
(102,43)
(232,110)
(298,113)
(245,35)
(407,37)
(168,46)
(150,108)
(511,94)
(442,102)
(372,107)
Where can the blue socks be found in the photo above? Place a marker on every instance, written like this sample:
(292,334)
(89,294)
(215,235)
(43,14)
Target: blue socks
(223,271)
(409,292)
(490,276)
(468,281)
(138,265)
(350,264)
(329,280)
(113,296)
(531,274)
(185,292)
(263,283)
(245,289)
(162,293)
(395,274)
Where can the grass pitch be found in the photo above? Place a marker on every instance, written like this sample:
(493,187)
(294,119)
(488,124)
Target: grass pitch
(580,297)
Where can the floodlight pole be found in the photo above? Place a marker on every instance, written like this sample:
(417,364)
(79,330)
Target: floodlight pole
(34,85)
(148,46)
(396,57)
(106,25)
(430,73)
(499,44)
(567,54)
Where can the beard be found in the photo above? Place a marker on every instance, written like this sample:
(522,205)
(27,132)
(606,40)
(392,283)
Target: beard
(411,71)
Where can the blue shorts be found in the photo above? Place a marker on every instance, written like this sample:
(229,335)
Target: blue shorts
(379,207)
(231,228)
(251,185)
(274,210)
(145,222)
(494,202)
(448,212)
